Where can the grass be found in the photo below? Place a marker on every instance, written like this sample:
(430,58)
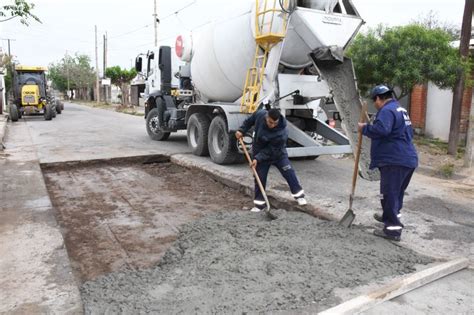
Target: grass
(445,170)
(436,146)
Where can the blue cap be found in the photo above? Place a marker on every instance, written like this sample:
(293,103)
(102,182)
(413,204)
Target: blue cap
(379,90)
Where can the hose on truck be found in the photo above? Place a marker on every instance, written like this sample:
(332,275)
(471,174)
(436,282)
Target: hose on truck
(291,6)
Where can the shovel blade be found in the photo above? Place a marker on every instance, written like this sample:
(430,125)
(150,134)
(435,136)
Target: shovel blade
(347,219)
(270,215)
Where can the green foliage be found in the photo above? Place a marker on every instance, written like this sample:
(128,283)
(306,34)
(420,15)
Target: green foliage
(403,56)
(6,63)
(445,170)
(120,76)
(20,9)
(75,68)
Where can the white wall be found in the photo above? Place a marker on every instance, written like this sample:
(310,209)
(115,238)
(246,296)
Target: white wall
(3,102)
(438,112)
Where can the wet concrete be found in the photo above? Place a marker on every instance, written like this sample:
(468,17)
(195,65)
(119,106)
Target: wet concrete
(340,79)
(239,262)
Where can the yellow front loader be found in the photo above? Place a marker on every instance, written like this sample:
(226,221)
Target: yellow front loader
(30,93)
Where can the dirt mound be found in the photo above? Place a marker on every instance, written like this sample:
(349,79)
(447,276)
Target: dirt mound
(240,262)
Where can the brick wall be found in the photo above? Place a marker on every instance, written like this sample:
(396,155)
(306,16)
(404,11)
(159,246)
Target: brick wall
(418,99)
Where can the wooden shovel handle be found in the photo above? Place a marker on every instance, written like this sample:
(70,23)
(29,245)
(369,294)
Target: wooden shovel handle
(362,118)
(255,174)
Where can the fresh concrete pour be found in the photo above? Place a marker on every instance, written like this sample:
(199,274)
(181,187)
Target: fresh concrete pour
(230,262)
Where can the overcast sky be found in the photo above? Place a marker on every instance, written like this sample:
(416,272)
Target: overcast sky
(68,25)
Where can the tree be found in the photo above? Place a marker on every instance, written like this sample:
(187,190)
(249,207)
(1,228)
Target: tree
(121,78)
(6,63)
(20,9)
(73,72)
(459,85)
(404,56)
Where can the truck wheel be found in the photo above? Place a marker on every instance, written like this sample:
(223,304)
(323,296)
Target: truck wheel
(48,112)
(53,110)
(58,108)
(14,112)
(198,132)
(222,145)
(153,127)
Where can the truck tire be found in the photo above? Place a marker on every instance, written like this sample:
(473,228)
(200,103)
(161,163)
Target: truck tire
(198,133)
(58,108)
(222,144)
(152,127)
(48,112)
(14,112)
(53,110)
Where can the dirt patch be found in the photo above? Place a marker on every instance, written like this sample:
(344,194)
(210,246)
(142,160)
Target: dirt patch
(116,216)
(239,262)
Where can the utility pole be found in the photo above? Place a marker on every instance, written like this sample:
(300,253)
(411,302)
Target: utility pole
(67,75)
(105,66)
(460,82)
(97,84)
(155,23)
(105,53)
(9,40)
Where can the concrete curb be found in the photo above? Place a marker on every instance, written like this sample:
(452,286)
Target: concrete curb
(275,198)
(3,129)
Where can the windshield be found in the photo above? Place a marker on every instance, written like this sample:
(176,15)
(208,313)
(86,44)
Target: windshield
(31,78)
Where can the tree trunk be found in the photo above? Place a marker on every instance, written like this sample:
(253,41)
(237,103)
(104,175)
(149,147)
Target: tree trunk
(469,155)
(459,88)
(125,94)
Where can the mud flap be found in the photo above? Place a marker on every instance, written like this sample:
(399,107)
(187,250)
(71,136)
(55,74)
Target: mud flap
(341,80)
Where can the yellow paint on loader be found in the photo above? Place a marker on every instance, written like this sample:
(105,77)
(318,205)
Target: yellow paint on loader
(30,95)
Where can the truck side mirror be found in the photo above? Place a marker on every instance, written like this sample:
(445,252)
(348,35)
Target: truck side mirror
(138,64)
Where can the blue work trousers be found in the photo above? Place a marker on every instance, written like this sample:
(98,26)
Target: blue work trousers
(394,181)
(286,170)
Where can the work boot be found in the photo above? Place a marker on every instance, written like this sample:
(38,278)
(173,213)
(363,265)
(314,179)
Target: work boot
(381,233)
(378,217)
(301,202)
(255,209)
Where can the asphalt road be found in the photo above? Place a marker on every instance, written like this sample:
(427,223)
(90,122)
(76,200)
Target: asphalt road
(438,214)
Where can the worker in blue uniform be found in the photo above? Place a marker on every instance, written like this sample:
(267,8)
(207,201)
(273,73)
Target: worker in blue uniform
(393,153)
(269,148)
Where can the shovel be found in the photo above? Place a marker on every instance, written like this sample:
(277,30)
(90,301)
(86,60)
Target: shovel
(349,217)
(259,182)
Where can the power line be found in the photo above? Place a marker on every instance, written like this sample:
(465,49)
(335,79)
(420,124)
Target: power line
(130,32)
(177,11)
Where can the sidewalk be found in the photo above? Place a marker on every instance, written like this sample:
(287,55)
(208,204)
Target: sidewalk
(35,272)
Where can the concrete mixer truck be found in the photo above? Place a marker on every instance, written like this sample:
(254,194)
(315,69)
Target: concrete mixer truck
(278,53)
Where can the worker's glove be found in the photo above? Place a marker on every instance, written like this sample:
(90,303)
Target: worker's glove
(238,134)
